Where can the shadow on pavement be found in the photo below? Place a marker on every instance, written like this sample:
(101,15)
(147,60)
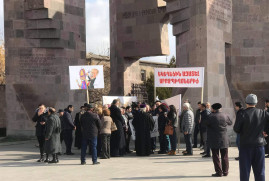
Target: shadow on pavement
(158,177)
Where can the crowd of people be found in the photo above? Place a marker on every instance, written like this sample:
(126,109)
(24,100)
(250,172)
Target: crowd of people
(107,131)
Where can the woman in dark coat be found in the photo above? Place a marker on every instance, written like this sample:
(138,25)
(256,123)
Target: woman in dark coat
(52,135)
(162,121)
(117,142)
(172,116)
(143,124)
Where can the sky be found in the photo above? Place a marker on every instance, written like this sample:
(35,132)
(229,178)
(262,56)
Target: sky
(97,29)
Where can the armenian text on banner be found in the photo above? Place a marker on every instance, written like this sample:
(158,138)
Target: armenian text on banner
(179,77)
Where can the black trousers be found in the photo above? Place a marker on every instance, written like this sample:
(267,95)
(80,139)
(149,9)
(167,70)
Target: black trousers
(41,142)
(153,143)
(266,147)
(223,167)
(127,141)
(195,135)
(188,143)
(105,139)
(62,136)
(68,140)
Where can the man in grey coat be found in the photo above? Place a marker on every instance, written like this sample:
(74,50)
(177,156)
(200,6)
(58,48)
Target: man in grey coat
(218,140)
(52,136)
(187,127)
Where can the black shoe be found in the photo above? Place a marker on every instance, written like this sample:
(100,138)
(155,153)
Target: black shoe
(53,161)
(47,161)
(216,175)
(225,175)
(237,158)
(70,153)
(184,152)
(194,146)
(203,153)
(206,156)
(41,159)
(187,154)
(161,152)
(83,163)
(96,163)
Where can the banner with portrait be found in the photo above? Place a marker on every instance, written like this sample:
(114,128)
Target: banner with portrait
(86,77)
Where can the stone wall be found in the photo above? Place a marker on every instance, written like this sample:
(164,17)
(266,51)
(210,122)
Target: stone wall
(137,29)
(42,38)
(249,60)
(2,111)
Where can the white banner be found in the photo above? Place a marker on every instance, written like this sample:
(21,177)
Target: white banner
(179,77)
(124,100)
(83,76)
(132,129)
(155,132)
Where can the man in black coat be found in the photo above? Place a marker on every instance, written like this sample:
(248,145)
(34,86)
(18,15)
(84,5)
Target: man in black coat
(266,131)
(40,119)
(117,142)
(143,124)
(78,134)
(90,127)
(218,140)
(197,120)
(205,112)
(68,127)
(250,125)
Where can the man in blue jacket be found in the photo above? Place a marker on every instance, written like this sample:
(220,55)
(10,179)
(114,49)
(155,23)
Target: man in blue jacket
(250,125)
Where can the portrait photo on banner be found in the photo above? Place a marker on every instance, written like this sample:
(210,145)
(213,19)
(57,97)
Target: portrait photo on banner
(83,77)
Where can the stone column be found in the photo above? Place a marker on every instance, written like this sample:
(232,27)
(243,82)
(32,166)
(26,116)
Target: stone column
(202,29)
(42,38)
(249,61)
(138,28)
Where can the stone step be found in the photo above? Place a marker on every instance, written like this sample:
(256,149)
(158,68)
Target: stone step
(45,33)
(44,24)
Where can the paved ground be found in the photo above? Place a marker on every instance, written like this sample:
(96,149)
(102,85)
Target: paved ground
(18,162)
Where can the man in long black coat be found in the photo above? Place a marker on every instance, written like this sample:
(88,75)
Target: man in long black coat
(143,124)
(78,134)
(218,140)
(266,131)
(52,135)
(117,142)
(40,119)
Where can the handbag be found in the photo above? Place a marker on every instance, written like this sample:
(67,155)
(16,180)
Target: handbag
(169,130)
(113,127)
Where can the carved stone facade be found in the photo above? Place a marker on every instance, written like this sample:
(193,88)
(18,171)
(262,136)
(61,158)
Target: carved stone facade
(138,28)
(42,38)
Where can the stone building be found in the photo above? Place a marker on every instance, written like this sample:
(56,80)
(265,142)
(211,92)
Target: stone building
(140,72)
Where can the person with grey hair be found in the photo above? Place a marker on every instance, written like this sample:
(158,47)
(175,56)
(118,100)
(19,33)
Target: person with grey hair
(143,124)
(187,128)
(250,125)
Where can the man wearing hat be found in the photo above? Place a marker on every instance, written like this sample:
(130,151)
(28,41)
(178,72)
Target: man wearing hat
(250,125)
(90,126)
(218,140)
